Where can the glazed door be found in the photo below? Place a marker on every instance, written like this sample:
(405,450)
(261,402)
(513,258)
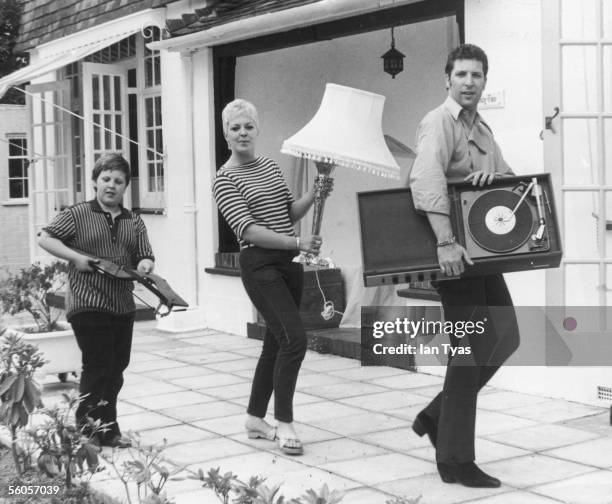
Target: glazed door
(577,61)
(50,174)
(105,117)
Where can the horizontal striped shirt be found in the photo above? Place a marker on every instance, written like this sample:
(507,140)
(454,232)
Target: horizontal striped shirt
(254,193)
(123,241)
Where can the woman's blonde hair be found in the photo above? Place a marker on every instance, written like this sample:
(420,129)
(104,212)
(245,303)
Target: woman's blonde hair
(238,107)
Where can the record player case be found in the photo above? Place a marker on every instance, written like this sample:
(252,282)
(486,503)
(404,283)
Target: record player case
(501,227)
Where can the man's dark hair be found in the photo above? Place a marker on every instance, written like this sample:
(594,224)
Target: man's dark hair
(112,161)
(466,52)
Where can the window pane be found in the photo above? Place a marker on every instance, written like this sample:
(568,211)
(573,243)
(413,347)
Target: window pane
(16,147)
(607,18)
(578,19)
(156,71)
(107,132)
(15,169)
(607,146)
(131,77)
(148,72)
(16,188)
(158,116)
(117,81)
(96,131)
(150,145)
(581,240)
(118,139)
(579,85)
(581,285)
(159,145)
(149,111)
(106,92)
(580,153)
(95,84)
(607,77)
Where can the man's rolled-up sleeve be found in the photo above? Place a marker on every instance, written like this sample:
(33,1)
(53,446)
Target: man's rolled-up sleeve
(434,144)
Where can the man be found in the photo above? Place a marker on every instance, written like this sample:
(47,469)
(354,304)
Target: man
(454,143)
(101,309)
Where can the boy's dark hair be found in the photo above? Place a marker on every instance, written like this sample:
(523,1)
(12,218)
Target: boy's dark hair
(111,161)
(466,52)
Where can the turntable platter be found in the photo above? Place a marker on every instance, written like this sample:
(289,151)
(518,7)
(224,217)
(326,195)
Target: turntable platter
(492,224)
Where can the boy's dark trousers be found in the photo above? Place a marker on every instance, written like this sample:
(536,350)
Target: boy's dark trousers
(105,341)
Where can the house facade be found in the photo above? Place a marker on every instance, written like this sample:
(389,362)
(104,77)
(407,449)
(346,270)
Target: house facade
(14,161)
(149,79)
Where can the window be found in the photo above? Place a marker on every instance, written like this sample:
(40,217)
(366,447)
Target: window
(18,168)
(152,185)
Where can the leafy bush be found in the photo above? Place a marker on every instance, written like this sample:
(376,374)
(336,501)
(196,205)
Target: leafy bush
(225,486)
(29,291)
(20,394)
(65,449)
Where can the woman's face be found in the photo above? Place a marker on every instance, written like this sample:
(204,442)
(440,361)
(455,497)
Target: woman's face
(242,135)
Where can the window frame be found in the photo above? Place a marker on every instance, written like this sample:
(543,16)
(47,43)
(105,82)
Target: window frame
(25,176)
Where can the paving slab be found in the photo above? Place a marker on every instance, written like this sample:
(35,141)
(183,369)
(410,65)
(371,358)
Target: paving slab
(193,388)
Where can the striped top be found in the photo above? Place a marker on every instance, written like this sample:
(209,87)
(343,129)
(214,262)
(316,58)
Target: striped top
(124,241)
(254,193)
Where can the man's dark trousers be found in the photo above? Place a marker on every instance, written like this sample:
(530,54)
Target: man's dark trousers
(105,341)
(454,409)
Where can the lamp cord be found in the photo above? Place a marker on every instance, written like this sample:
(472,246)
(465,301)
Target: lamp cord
(328,306)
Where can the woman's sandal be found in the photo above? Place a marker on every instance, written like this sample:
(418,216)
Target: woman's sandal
(290,446)
(270,434)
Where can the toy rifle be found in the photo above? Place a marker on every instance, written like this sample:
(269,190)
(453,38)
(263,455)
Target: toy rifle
(154,283)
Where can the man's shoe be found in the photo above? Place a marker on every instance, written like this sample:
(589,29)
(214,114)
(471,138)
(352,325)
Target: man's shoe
(468,474)
(425,425)
(117,441)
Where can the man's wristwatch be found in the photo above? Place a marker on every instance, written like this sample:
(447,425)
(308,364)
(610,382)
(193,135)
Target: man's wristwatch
(445,243)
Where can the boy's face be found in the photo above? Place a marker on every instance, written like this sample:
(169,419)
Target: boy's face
(109,187)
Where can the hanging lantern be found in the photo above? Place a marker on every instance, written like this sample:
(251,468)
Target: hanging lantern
(393,60)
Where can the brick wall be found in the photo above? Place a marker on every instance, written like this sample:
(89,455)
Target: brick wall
(14,221)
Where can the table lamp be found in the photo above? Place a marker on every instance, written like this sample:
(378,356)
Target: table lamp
(345,131)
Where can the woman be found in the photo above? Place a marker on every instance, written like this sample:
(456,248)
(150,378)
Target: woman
(256,202)
(101,309)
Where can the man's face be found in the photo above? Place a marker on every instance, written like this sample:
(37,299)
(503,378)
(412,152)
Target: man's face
(466,83)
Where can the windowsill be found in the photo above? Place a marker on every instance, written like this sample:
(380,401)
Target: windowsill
(223,271)
(149,211)
(16,202)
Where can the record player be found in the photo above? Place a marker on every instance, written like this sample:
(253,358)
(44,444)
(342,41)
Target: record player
(510,225)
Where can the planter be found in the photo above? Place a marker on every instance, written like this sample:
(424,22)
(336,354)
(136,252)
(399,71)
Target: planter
(60,349)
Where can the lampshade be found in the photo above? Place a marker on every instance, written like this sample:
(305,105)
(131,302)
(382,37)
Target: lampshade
(346,131)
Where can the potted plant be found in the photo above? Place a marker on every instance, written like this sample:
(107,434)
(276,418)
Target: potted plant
(29,291)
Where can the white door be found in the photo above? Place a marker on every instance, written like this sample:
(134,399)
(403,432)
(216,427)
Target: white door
(577,45)
(50,173)
(105,117)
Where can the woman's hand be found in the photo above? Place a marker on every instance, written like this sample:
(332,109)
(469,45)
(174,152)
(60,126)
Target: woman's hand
(145,266)
(311,244)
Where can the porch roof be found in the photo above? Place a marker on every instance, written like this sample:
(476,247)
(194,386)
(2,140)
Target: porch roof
(218,12)
(46,20)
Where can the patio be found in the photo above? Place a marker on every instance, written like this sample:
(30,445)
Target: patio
(192,389)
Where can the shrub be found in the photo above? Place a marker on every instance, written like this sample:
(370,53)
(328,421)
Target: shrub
(29,291)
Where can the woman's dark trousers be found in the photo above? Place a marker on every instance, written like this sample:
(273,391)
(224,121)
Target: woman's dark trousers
(105,341)
(274,285)
(454,409)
